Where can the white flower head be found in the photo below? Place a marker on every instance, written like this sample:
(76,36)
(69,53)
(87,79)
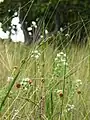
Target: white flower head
(36,56)
(36,51)
(78,83)
(58,55)
(41,36)
(59,91)
(15,13)
(64,55)
(30,33)
(10,79)
(29,28)
(1,1)
(61,29)
(46,32)
(56,59)
(25,88)
(9,10)
(78,80)
(70,107)
(61,53)
(33,23)
(35,26)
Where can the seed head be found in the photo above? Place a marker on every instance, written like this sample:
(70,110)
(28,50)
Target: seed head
(18,85)
(79,91)
(30,81)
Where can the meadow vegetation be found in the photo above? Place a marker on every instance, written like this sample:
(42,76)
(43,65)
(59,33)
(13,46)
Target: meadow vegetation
(44,82)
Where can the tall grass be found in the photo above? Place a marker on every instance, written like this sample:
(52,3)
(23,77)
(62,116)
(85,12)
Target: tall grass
(45,89)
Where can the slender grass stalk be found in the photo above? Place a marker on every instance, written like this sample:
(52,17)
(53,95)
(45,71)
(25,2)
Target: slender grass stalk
(63,91)
(35,85)
(52,105)
(11,85)
(8,110)
(9,89)
(42,106)
(42,88)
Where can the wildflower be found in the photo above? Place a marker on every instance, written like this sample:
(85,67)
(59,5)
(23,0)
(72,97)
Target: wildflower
(79,91)
(10,79)
(36,51)
(30,33)
(56,59)
(18,85)
(9,10)
(41,36)
(25,88)
(29,28)
(35,26)
(64,55)
(58,55)
(46,32)
(60,92)
(33,23)
(30,81)
(61,29)
(1,1)
(78,83)
(70,107)
(35,54)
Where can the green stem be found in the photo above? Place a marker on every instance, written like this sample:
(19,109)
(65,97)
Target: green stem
(11,85)
(63,92)
(35,89)
(9,89)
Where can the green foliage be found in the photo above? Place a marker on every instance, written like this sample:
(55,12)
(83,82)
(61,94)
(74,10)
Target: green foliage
(72,14)
(42,79)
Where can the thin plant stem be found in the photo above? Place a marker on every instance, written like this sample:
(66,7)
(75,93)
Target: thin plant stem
(42,105)
(63,92)
(35,85)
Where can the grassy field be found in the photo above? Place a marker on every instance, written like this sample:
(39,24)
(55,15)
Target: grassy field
(40,82)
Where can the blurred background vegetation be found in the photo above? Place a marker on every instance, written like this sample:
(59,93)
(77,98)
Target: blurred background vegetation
(70,16)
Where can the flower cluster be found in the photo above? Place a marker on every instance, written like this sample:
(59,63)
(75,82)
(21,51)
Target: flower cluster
(33,26)
(78,83)
(60,92)
(26,83)
(60,62)
(70,107)
(76,87)
(35,54)
(46,32)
